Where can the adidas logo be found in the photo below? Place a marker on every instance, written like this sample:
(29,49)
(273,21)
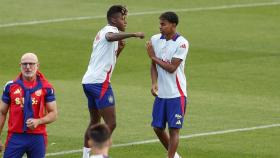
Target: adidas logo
(178,122)
(183,46)
(17,91)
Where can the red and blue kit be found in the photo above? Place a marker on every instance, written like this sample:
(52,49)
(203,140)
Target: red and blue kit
(26,100)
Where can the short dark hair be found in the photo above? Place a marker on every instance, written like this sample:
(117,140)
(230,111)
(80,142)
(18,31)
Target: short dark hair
(116,9)
(99,133)
(171,17)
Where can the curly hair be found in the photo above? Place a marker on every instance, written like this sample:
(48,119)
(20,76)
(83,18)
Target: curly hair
(116,9)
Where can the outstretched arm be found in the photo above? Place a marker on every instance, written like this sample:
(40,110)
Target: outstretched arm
(110,36)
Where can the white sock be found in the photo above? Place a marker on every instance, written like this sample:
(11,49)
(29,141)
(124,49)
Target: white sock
(177,155)
(86,152)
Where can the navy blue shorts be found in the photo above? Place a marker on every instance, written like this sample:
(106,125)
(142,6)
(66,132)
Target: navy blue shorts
(171,111)
(34,145)
(99,95)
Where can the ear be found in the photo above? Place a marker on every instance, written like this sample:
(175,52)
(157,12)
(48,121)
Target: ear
(113,20)
(110,142)
(90,143)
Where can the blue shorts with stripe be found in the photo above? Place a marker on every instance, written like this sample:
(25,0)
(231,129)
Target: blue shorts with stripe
(169,110)
(99,95)
(34,145)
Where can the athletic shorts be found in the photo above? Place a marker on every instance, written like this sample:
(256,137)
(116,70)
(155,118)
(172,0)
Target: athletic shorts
(169,110)
(34,145)
(99,95)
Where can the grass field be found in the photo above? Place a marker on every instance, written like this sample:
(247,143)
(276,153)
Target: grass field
(232,70)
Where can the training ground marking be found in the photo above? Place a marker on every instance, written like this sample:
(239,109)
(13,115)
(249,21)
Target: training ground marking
(35,22)
(181,137)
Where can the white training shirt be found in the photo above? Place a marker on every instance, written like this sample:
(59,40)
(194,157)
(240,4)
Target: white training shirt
(171,85)
(103,58)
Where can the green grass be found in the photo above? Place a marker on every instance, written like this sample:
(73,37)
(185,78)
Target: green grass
(232,70)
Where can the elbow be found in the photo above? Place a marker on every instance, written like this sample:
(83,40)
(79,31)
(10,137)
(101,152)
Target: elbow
(110,38)
(2,116)
(55,116)
(3,113)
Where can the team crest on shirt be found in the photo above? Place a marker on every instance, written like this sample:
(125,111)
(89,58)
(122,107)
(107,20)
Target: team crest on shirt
(38,92)
(110,99)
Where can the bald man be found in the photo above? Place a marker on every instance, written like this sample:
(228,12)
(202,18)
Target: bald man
(31,104)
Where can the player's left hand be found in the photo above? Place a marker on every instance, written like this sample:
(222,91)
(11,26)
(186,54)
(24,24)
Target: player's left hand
(33,123)
(140,35)
(150,49)
(154,90)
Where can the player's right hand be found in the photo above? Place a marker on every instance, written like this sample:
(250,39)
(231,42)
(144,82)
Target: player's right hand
(154,90)
(32,123)
(140,35)
(150,49)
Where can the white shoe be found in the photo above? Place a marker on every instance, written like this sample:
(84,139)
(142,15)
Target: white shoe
(177,155)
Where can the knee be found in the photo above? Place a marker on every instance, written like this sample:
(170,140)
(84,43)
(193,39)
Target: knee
(158,130)
(174,132)
(112,127)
